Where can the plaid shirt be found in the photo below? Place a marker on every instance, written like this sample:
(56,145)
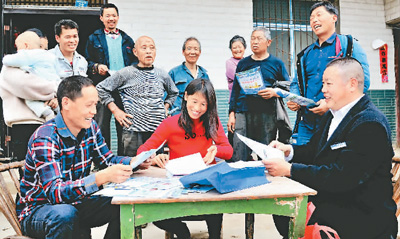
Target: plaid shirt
(57,167)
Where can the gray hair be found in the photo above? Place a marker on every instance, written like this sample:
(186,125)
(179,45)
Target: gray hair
(190,39)
(350,68)
(266,32)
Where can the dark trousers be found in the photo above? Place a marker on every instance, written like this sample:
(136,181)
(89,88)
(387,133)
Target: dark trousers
(180,229)
(20,135)
(257,126)
(132,141)
(103,119)
(66,221)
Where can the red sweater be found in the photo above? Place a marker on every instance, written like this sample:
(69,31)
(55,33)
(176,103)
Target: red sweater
(181,144)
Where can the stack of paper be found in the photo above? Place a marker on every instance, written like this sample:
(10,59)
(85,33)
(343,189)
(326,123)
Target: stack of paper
(185,165)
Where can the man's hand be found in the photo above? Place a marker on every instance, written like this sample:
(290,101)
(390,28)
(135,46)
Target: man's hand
(277,167)
(231,122)
(293,106)
(211,152)
(160,160)
(118,173)
(53,103)
(122,118)
(285,148)
(102,69)
(321,109)
(267,93)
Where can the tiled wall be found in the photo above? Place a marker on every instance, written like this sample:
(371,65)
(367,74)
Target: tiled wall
(383,99)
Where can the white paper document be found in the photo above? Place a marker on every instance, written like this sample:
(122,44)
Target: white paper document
(185,165)
(246,164)
(145,155)
(262,150)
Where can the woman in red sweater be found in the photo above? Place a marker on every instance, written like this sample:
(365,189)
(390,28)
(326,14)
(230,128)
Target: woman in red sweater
(192,131)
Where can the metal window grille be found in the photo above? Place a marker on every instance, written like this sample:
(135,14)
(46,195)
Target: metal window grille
(91,3)
(289,24)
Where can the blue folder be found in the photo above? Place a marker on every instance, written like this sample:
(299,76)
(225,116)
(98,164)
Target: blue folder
(225,178)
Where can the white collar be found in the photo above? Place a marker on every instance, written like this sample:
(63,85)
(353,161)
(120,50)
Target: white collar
(341,113)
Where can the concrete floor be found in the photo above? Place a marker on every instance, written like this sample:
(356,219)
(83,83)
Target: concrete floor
(233,227)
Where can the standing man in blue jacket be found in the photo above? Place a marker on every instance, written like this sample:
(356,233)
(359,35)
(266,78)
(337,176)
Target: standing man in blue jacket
(108,50)
(311,64)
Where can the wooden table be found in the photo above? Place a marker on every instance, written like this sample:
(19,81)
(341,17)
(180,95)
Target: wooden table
(282,196)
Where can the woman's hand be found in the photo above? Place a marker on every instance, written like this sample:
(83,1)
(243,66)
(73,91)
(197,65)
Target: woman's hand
(211,152)
(160,160)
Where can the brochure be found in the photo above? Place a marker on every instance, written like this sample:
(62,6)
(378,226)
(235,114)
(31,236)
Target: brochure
(145,155)
(251,81)
(296,98)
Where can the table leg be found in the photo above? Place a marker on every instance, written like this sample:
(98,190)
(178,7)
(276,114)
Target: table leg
(128,222)
(249,225)
(297,223)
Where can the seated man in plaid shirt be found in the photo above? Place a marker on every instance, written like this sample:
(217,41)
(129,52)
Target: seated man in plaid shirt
(56,187)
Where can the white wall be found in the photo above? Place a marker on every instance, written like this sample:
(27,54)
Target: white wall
(213,22)
(365,20)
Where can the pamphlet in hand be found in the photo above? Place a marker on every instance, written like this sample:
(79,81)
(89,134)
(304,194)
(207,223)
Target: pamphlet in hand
(251,81)
(145,155)
(263,151)
(185,165)
(296,98)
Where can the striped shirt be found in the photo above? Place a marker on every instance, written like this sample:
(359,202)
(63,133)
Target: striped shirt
(142,91)
(57,167)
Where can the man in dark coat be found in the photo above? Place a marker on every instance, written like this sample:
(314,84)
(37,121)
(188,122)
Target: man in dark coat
(348,160)
(109,50)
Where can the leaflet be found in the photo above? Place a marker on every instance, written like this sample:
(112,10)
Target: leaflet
(185,165)
(303,101)
(263,151)
(145,155)
(251,81)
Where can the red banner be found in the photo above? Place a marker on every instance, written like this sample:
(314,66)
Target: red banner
(383,61)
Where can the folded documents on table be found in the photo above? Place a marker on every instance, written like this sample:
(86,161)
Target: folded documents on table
(262,150)
(303,101)
(185,165)
(227,179)
(145,155)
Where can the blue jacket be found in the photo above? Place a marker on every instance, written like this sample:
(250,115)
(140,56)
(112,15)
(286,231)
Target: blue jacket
(97,52)
(182,77)
(299,86)
(358,53)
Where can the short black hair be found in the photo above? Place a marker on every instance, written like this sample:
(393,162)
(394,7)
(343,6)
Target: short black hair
(38,32)
(328,6)
(65,24)
(71,87)
(108,5)
(235,39)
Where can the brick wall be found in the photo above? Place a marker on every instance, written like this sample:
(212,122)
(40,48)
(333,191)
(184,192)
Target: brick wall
(392,11)
(169,23)
(365,20)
